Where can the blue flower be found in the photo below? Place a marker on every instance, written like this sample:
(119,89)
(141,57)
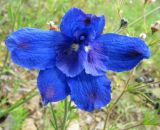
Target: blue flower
(75,60)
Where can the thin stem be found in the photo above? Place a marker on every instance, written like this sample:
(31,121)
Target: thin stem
(70,108)
(153,43)
(142,86)
(145,96)
(1,71)
(69,105)
(137,125)
(21,101)
(4,62)
(65,114)
(150,100)
(52,124)
(105,122)
(145,15)
(140,18)
(54,118)
(128,128)
(117,100)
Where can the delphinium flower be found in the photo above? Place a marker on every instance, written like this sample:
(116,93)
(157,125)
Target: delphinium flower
(74,60)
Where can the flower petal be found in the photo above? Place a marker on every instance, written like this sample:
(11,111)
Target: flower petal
(52,85)
(97,60)
(76,20)
(124,52)
(33,48)
(70,61)
(90,92)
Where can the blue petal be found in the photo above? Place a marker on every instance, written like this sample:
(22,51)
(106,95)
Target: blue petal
(90,92)
(76,20)
(33,48)
(124,52)
(97,60)
(70,61)
(52,85)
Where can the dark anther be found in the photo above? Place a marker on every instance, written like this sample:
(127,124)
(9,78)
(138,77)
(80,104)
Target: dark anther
(87,21)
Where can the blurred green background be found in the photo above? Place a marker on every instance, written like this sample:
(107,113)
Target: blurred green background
(20,105)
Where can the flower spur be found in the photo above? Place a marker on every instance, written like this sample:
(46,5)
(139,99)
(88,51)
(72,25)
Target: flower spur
(74,60)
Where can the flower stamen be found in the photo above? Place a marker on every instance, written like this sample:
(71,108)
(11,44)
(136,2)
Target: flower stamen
(75,47)
(87,48)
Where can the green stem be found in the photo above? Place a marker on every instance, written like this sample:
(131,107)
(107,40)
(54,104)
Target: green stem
(4,62)
(140,18)
(142,86)
(117,100)
(153,43)
(146,97)
(54,118)
(2,69)
(18,103)
(137,125)
(52,124)
(65,114)
(145,15)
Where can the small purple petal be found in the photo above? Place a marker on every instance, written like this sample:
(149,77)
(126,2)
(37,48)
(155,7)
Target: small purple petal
(97,60)
(70,60)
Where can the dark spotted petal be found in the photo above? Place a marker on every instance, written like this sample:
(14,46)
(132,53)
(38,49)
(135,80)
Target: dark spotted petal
(52,85)
(90,92)
(124,52)
(33,48)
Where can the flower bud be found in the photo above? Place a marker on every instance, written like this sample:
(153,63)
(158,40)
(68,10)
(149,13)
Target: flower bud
(123,23)
(155,27)
(143,36)
(150,1)
(52,25)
